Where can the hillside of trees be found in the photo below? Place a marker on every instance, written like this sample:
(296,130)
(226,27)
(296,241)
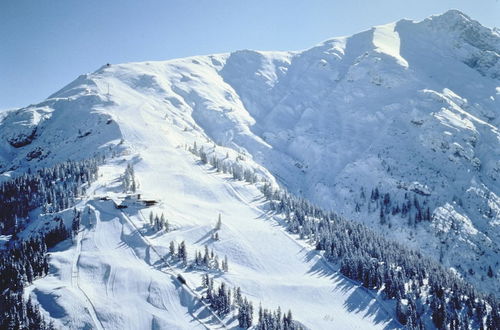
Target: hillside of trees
(223,301)
(22,261)
(54,189)
(425,292)
(20,264)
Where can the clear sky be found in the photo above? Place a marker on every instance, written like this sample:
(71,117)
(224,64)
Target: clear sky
(46,44)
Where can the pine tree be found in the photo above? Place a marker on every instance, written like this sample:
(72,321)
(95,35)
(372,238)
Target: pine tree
(182,253)
(288,321)
(439,315)
(75,224)
(171,248)
(245,314)
(490,271)
(216,263)
(218,225)
(225,266)
(237,296)
(205,281)
(206,257)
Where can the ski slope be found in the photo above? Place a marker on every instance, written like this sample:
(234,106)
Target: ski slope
(405,107)
(94,285)
(120,282)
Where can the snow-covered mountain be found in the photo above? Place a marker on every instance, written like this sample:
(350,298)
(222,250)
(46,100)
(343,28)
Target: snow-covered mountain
(396,127)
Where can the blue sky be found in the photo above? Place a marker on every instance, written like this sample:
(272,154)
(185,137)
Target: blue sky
(46,44)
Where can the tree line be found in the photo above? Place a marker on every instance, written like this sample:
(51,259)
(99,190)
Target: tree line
(223,301)
(206,261)
(225,165)
(21,263)
(411,207)
(159,222)
(425,291)
(54,189)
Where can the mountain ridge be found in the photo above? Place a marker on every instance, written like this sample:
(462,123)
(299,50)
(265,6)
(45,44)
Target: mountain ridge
(305,107)
(395,127)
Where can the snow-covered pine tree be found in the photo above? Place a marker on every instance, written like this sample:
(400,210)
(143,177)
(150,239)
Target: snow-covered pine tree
(182,253)
(171,249)
(218,225)
(225,266)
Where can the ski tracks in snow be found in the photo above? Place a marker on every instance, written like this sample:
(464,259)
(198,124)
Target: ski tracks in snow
(75,282)
(171,272)
(326,264)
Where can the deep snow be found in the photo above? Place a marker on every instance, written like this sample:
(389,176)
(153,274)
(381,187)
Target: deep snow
(111,277)
(408,106)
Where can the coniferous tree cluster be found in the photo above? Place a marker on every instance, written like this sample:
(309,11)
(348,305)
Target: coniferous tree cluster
(22,263)
(423,289)
(411,207)
(223,301)
(238,171)
(218,298)
(159,222)
(54,189)
(129,183)
(274,320)
(180,253)
(58,233)
(245,313)
(209,260)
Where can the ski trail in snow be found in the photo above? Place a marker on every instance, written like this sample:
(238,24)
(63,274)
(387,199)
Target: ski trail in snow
(174,275)
(74,282)
(318,256)
(127,223)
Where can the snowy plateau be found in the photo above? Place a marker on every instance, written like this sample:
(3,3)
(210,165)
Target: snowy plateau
(396,127)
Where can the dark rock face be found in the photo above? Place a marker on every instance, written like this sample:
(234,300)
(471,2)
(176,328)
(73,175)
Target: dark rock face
(35,153)
(22,139)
